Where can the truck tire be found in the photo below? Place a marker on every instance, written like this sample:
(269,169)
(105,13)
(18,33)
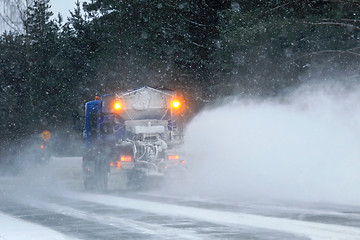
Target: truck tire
(88,183)
(101,176)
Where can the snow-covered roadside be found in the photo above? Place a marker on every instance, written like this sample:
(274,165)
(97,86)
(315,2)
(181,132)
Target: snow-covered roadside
(159,230)
(16,229)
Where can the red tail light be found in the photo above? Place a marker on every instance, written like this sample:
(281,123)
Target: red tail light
(173,157)
(42,146)
(125,158)
(118,164)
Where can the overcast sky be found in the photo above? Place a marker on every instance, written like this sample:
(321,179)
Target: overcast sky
(63,7)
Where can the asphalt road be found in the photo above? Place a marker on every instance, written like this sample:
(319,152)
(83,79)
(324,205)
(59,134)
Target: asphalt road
(52,196)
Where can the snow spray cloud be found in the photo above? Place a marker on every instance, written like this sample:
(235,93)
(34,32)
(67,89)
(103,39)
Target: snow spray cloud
(304,146)
(39,173)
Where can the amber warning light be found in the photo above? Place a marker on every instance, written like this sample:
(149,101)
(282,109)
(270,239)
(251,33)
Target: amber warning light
(46,135)
(117,106)
(176,104)
(117,164)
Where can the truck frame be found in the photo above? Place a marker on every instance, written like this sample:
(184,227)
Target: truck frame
(138,132)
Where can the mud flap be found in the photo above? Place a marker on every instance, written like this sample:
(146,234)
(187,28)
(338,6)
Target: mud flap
(135,179)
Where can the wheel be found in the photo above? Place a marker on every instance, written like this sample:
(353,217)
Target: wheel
(95,170)
(101,176)
(88,183)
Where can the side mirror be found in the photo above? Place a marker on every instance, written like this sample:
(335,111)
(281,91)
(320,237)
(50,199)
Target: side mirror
(76,120)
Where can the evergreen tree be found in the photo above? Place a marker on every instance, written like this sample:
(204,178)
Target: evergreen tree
(267,46)
(161,43)
(42,46)
(206,48)
(12,94)
(75,59)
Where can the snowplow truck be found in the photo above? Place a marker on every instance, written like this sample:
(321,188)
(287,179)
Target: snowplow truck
(136,132)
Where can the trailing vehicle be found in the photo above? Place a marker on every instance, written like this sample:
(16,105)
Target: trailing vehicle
(138,132)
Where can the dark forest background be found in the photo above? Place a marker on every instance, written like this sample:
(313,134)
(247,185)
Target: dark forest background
(206,49)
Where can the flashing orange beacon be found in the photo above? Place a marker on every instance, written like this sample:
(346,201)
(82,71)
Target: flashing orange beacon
(117,106)
(176,104)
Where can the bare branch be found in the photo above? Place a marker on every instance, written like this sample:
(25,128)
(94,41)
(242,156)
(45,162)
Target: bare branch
(347,25)
(353,49)
(275,8)
(197,44)
(355,76)
(9,23)
(279,6)
(198,24)
(339,52)
(344,20)
(351,20)
(343,2)
(19,7)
